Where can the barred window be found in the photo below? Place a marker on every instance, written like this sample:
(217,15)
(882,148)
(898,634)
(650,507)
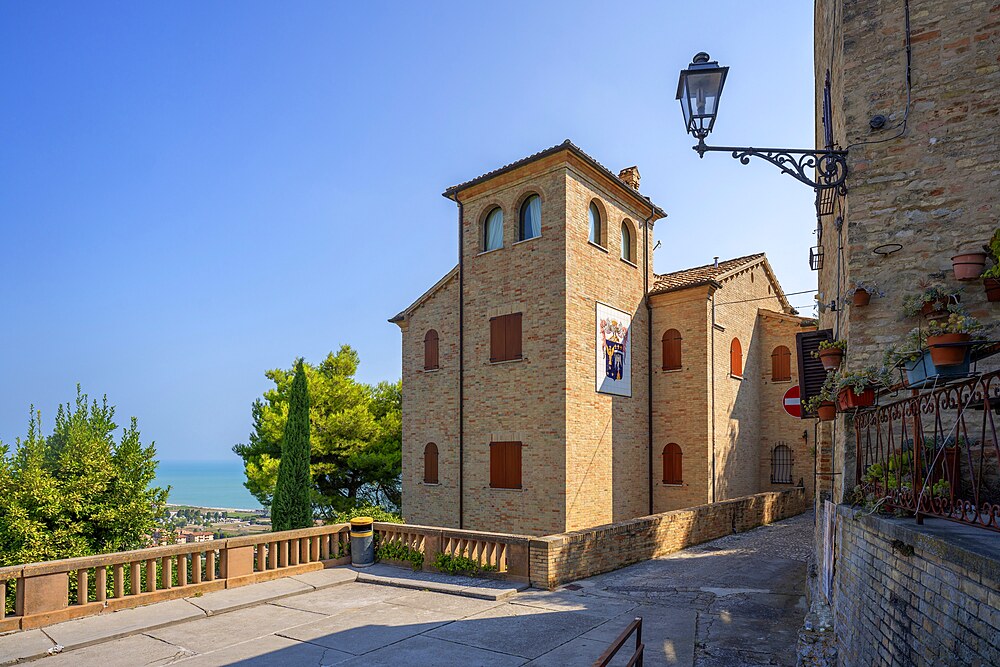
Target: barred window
(781,465)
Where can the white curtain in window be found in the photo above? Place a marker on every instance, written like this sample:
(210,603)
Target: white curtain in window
(493,234)
(595,224)
(531,218)
(626,243)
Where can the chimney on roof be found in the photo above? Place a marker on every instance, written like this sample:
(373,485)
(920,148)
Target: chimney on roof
(630,176)
(716,262)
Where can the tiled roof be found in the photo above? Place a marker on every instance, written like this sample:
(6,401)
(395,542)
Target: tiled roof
(566,145)
(699,275)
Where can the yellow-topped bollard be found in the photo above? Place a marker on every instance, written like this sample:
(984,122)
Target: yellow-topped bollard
(362,541)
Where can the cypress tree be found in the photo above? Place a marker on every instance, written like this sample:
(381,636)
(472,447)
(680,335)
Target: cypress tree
(291,507)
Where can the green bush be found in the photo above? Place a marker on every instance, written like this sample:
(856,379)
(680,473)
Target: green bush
(400,552)
(376,513)
(460,565)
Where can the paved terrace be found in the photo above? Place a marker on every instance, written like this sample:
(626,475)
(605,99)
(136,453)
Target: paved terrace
(734,601)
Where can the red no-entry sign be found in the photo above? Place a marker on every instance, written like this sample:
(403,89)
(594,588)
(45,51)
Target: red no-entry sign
(791,402)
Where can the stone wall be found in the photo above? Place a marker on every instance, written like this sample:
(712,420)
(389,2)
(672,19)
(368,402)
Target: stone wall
(915,595)
(557,559)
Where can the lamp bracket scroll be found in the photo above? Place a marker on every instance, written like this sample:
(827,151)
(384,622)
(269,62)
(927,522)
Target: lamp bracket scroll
(830,166)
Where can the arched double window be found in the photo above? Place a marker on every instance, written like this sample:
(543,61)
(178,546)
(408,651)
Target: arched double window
(431,463)
(531,218)
(736,358)
(594,224)
(628,253)
(781,465)
(431,350)
(672,465)
(671,350)
(781,364)
(493,230)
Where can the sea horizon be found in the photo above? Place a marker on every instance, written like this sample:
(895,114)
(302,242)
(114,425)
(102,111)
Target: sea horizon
(216,484)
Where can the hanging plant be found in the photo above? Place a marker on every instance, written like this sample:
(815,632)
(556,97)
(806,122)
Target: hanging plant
(822,403)
(856,389)
(830,353)
(934,303)
(968,265)
(948,339)
(991,276)
(863,291)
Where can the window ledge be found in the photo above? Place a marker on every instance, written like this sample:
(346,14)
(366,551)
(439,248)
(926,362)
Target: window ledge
(504,488)
(672,484)
(506,361)
(788,381)
(430,370)
(597,245)
(718,327)
(486,252)
(526,240)
(671,370)
(430,484)
(736,377)
(630,263)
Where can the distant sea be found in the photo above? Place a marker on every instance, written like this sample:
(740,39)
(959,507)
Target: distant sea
(206,484)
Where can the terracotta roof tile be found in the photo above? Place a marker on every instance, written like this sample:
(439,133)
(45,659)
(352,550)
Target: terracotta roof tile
(699,275)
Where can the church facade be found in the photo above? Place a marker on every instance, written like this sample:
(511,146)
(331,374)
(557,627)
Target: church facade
(552,381)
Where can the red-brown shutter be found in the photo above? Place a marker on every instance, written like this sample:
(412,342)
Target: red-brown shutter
(497,474)
(672,464)
(431,464)
(513,465)
(736,358)
(498,337)
(514,336)
(671,350)
(781,364)
(431,350)
(812,375)
(505,465)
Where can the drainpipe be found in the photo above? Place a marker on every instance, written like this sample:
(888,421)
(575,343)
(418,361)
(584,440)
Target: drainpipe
(461,368)
(712,407)
(649,352)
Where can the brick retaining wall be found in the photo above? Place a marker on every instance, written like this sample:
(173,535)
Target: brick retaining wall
(915,595)
(556,559)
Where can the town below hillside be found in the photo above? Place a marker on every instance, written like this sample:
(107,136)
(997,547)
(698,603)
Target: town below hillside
(185,524)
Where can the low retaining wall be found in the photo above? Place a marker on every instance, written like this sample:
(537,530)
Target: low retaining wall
(556,559)
(915,594)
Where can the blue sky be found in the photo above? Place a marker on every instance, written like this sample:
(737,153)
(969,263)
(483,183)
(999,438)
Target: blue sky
(192,193)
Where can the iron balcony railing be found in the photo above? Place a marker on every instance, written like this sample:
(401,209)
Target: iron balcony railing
(934,453)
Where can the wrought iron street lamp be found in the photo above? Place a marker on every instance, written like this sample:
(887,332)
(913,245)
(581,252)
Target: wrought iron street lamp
(699,90)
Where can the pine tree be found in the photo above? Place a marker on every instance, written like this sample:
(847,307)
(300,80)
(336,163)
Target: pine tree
(292,507)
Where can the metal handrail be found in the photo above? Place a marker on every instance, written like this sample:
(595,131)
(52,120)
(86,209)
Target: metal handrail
(636,659)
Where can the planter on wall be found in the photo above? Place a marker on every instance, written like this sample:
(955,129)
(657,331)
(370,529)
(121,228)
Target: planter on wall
(923,371)
(992,287)
(831,358)
(826,411)
(937,309)
(952,355)
(848,399)
(968,265)
(861,297)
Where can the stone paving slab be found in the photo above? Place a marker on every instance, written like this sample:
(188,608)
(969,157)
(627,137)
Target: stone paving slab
(365,629)
(564,600)
(424,650)
(22,645)
(269,651)
(331,576)
(339,598)
(93,629)
(131,651)
(455,606)
(669,633)
(215,632)
(579,652)
(232,599)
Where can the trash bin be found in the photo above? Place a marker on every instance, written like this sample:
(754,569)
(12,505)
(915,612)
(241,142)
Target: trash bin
(362,541)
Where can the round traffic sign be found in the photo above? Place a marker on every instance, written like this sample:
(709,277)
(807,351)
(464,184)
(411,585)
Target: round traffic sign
(790,401)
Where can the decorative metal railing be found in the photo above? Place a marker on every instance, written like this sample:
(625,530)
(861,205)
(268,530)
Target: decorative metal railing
(934,453)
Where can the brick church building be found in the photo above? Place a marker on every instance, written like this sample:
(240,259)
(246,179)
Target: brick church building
(552,381)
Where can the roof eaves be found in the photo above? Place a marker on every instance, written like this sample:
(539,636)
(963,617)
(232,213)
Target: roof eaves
(402,315)
(677,288)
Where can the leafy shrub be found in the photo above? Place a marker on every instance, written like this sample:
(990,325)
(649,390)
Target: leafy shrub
(376,513)
(400,552)
(461,565)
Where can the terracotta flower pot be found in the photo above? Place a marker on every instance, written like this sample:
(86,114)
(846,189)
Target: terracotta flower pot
(952,355)
(862,297)
(968,265)
(848,398)
(992,287)
(826,411)
(937,309)
(831,358)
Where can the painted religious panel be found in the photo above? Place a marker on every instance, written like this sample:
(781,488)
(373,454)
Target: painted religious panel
(613,347)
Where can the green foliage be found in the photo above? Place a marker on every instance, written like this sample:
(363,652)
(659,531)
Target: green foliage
(826,394)
(78,491)
(869,377)
(292,507)
(838,344)
(957,323)
(868,286)
(994,250)
(376,513)
(355,437)
(941,489)
(913,303)
(400,552)
(460,565)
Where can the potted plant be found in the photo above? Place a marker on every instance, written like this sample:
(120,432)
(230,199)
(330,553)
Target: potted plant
(822,403)
(856,389)
(862,293)
(991,276)
(968,265)
(948,339)
(914,357)
(831,353)
(934,303)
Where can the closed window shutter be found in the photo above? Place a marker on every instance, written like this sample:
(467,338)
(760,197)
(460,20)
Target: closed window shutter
(781,364)
(431,350)
(514,336)
(497,474)
(498,337)
(736,358)
(431,464)
(672,464)
(505,465)
(513,465)
(671,350)
(812,375)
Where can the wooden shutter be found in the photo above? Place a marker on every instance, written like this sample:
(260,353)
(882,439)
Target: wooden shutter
(736,358)
(431,464)
(505,337)
(781,364)
(505,465)
(671,350)
(811,371)
(498,338)
(431,350)
(514,336)
(672,464)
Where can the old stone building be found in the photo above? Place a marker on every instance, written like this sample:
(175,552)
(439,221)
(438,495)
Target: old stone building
(537,398)
(912,91)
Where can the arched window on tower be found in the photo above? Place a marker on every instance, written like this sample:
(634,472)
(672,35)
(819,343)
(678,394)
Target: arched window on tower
(736,358)
(431,463)
(671,350)
(627,254)
(594,224)
(531,218)
(672,466)
(431,350)
(493,230)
